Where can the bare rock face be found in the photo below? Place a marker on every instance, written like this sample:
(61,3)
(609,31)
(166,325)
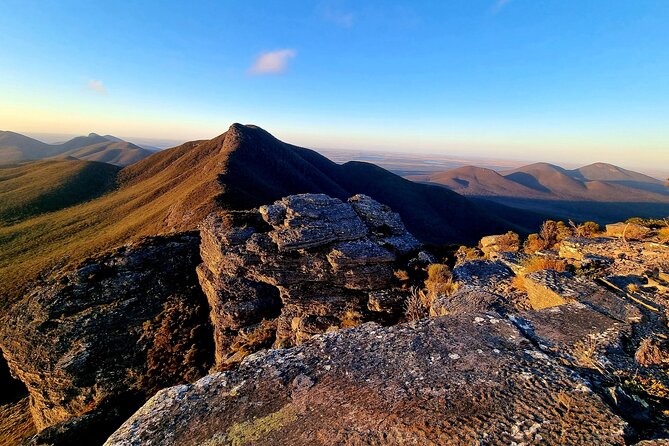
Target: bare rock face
(549,288)
(458,380)
(309,262)
(108,334)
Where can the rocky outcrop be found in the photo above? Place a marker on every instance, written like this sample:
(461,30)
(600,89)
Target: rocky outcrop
(94,343)
(309,262)
(457,380)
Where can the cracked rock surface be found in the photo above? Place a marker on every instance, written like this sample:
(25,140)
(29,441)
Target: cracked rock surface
(461,379)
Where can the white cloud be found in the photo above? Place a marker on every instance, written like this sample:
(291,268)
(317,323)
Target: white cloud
(272,62)
(97,86)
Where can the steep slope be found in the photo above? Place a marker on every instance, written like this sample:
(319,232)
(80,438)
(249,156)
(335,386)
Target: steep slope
(175,189)
(15,148)
(36,187)
(262,169)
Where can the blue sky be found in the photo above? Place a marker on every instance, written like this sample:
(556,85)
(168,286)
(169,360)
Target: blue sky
(561,80)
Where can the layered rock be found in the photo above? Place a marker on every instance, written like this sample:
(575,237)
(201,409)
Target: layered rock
(549,288)
(463,379)
(93,343)
(310,262)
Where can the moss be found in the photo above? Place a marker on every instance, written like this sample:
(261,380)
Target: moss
(250,432)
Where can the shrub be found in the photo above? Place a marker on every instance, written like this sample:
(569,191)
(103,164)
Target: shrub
(588,229)
(508,242)
(417,305)
(549,236)
(534,243)
(663,234)
(439,283)
(465,253)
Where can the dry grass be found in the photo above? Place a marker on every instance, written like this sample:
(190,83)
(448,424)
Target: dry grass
(585,354)
(417,305)
(439,283)
(536,263)
(539,263)
(16,423)
(157,195)
(401,275)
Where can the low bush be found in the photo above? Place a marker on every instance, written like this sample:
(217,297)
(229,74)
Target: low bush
(588,229)
(439,283)
(663,234)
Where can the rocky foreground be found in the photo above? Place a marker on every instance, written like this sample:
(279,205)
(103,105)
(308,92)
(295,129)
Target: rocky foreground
(330,324)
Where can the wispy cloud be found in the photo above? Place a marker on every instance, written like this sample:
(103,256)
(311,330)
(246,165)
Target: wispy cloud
(272,62)
(499,5)
(96,85)
(339,18)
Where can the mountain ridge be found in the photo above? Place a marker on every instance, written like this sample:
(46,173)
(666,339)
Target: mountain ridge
(173,190)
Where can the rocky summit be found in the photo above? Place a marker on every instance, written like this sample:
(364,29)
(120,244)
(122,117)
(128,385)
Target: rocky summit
(304,265)
(314,320)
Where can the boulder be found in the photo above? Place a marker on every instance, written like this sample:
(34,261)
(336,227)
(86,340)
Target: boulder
(464,379)
(111,332)
(486,274)
(493,245)
(629,231)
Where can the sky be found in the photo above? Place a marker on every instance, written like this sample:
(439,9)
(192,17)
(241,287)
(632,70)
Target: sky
(572,81)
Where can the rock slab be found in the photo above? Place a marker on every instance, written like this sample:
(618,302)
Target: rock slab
(458,380)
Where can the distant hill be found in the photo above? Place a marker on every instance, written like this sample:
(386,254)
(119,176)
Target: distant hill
(15,147)
(599,191)
(173,190)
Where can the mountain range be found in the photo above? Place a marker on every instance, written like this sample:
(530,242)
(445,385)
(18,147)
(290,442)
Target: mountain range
(173,190)
(15,148)
(599,191)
